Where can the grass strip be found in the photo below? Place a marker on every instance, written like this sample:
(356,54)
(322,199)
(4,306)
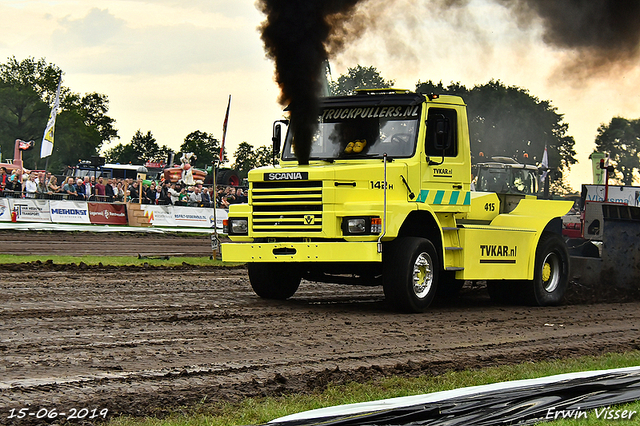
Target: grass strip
(261,410)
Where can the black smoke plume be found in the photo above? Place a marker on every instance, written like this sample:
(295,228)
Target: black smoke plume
(298,35)
(599,35)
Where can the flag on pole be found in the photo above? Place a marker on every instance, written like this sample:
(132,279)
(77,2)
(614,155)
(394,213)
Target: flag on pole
(545,165)
(47,140)
(224,129)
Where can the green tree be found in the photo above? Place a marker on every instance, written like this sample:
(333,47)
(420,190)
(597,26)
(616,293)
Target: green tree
(245,159)
(264,156)
(359,77)
(248,158)
(621,140)
(507,121)
(121,153)
(142,148)
(21,108)
(204,145)
(27,92)
(146,148)
(39,76)
(94,107)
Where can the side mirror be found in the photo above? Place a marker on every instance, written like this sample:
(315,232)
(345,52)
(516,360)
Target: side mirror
(276,139)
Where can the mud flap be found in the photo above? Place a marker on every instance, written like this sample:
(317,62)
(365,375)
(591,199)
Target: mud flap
(621,253)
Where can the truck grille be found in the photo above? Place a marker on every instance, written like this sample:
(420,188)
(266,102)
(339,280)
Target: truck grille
(293,207)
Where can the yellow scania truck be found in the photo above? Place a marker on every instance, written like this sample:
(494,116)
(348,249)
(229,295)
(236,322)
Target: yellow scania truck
(385,199)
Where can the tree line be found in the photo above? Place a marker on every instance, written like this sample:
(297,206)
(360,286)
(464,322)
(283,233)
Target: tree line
(83,127)
(144,147)
(503,121)
(27,93)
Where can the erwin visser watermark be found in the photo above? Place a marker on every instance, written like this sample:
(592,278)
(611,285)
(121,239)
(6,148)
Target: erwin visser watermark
(604,413)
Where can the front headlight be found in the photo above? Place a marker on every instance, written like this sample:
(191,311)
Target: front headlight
(361,225)
(356,225)
(238,226)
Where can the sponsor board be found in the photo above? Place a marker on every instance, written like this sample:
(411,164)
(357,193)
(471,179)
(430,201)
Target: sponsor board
(629,195)
(180,216)
(198,217)
(70,211)
(221,215)
(81,212)
(192,217)
(107,214)
(5,210)
(29,210)
(159,215)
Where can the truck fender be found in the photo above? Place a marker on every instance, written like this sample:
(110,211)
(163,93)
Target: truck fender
(422,223)
(554,225)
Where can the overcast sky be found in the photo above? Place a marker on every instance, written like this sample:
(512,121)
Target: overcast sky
(169,66)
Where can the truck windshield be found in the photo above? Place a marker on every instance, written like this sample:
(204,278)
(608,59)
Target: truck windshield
(361,137)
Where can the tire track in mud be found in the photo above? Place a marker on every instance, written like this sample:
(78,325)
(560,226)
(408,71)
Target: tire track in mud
(106,243)
(142,341)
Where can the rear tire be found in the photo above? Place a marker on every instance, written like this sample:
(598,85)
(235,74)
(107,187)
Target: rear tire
(274,280)
(227,177)
(551,274)
(410,273)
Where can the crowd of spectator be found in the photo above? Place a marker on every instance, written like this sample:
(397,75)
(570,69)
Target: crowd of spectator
(46,186)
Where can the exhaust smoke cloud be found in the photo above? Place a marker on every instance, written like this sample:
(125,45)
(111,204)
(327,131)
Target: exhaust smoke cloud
(299,36)
(598,36)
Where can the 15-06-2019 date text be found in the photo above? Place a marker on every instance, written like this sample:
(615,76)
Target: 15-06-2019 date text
(69,414)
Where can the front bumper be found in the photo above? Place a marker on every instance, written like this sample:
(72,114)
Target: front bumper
(301,252)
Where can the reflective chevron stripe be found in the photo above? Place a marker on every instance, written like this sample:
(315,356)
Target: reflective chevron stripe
(441,197)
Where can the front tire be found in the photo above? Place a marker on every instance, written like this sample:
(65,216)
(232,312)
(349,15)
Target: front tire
(551,274)
(410,273)
(274,280)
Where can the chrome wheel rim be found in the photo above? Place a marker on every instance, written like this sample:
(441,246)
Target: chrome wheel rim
(550,273)
(422,275)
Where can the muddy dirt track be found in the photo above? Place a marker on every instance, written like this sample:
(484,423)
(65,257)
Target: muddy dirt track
(142,341)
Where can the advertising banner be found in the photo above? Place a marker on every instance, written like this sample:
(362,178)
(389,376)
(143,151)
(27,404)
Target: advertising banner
(107,214)
(629,195)
(159,215)
(70,212)
(196,217)
(30,210)
(5,210)
(221,214)
(82,212)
